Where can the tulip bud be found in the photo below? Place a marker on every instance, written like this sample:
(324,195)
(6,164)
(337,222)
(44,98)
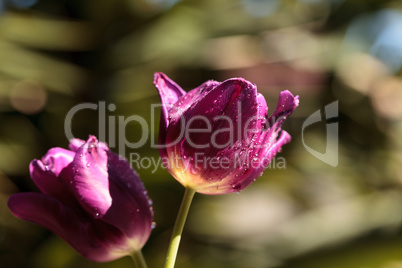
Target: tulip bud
(91,198)
(218,137)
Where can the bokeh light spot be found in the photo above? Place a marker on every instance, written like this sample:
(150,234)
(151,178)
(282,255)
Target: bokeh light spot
(28,97)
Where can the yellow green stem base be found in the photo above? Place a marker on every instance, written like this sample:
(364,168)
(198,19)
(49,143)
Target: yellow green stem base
(178,228)
(138,259)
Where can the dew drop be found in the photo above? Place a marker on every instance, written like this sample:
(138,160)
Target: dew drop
(236,187)
(88,164)
(153,225)
(97,215)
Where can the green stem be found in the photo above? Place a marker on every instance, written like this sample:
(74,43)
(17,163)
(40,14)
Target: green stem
(138,259)
(178,228)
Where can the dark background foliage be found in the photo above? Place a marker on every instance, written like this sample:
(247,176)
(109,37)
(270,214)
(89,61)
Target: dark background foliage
(57,54)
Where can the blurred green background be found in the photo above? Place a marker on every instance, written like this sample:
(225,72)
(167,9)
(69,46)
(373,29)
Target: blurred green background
(57,54)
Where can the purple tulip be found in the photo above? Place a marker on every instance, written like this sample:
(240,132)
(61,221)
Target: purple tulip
(218,137)
(91,198)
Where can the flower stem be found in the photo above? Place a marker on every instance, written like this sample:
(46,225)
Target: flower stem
(138,259)
(178,228)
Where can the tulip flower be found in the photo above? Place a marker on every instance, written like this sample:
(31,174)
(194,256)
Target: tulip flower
(217,138)
(91,198)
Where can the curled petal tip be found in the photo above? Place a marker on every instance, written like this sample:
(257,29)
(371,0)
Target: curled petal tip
(289,99)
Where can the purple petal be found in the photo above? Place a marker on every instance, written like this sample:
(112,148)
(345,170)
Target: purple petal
(233,102)
(287,103)
(257,156)
(179,108)
(55,160)
(75,144)
(93,242)
(131,209)
(189,99)
(264,161)
(46,172)
(268,143)
(169,92)
(90,179)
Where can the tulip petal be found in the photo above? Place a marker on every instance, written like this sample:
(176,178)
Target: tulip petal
(56,159)
(90,182)
(169,92)
(287,103)
(93,241)
(45,172)
(223,111)
(189,99)
(175,101)
(257,156)
(75,144)
(131,205)
(269,145)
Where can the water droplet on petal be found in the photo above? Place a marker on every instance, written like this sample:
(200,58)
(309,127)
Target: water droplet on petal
(97,215)
(88,164)
(153,225)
